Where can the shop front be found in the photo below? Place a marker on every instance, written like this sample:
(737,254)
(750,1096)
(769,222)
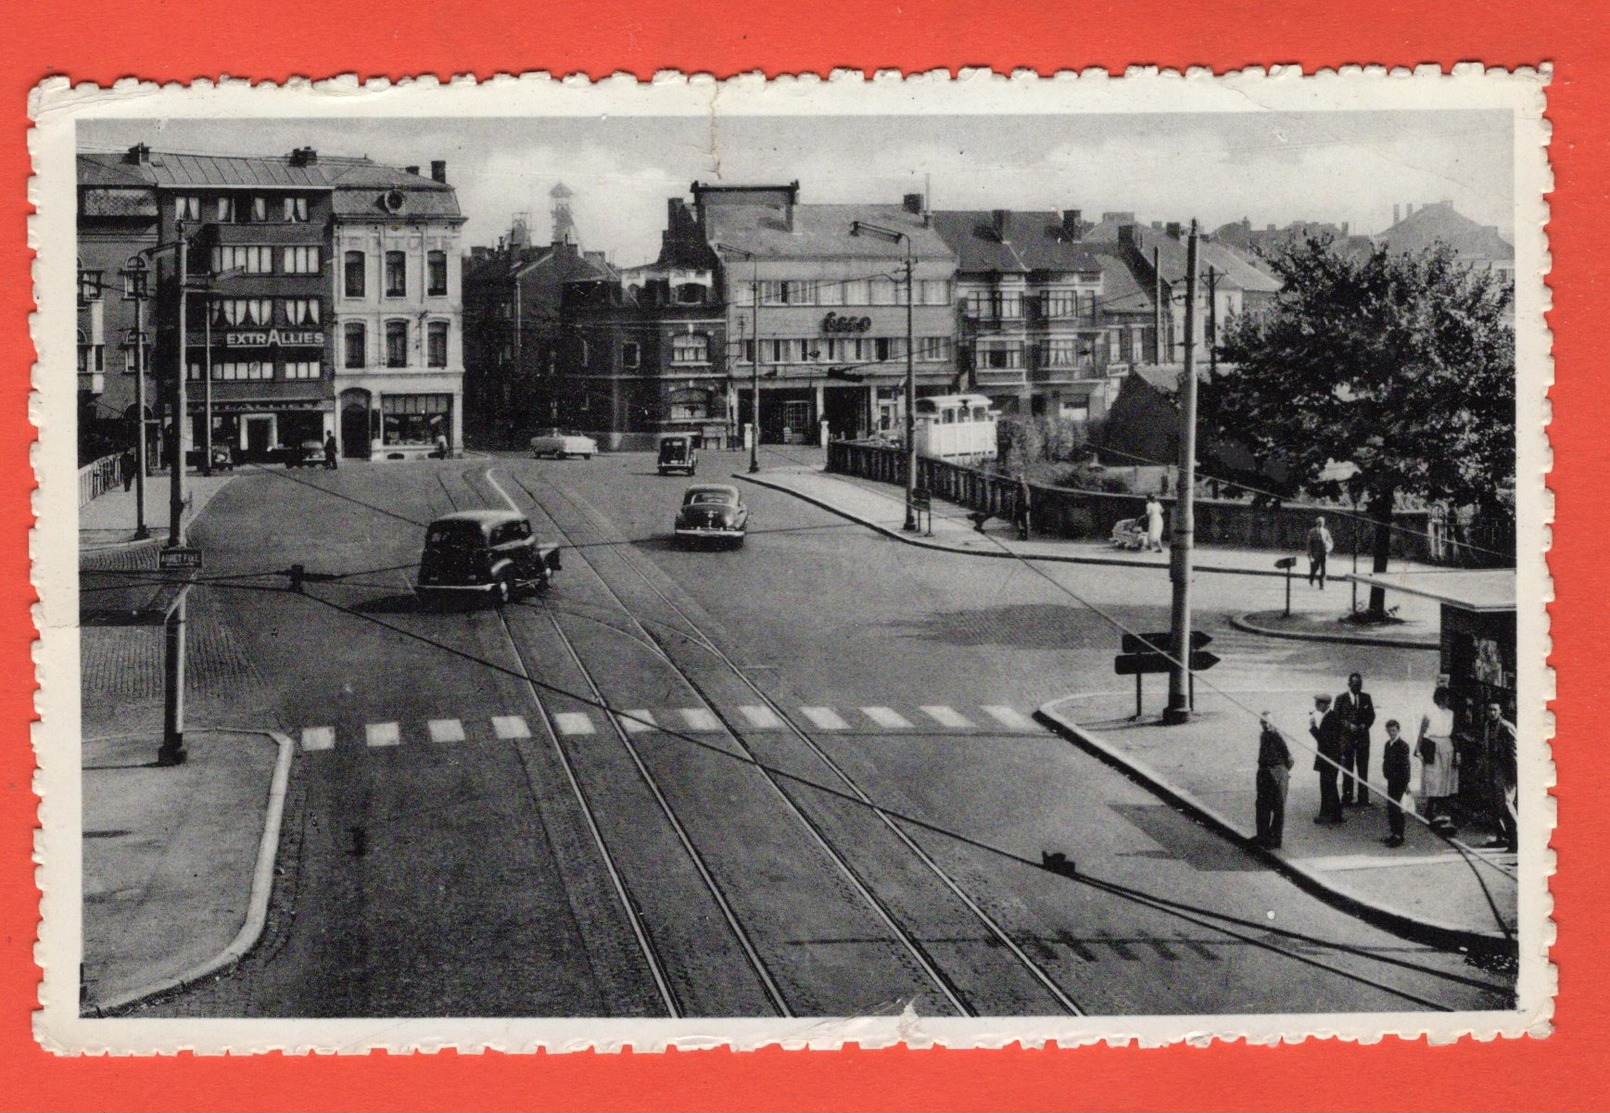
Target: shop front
(255,430)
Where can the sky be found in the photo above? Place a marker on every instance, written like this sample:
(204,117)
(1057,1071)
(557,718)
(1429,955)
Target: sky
(1270,167)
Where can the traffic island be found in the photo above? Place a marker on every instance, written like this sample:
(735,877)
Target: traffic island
(1328,627)
(178,861)
(1431,890)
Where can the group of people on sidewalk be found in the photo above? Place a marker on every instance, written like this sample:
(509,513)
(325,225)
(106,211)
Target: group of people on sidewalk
(1341,730)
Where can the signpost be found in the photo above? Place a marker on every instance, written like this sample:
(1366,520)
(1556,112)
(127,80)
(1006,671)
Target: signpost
(1148,653)
(1286,564)
(922,502)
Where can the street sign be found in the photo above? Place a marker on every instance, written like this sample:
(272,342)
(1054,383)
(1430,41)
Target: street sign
(1136,664)
(922,499)
(1160,643)
(177,557)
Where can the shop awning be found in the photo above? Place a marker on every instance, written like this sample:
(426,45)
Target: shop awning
(1481,590)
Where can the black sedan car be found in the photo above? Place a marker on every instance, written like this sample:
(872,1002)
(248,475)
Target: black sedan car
(712,512)
(485,554)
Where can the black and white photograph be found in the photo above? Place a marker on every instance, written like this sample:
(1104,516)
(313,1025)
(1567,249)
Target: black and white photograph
(931,560)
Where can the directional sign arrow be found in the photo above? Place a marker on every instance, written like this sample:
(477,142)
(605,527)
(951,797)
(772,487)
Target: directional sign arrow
(1137,664)
(1160,643)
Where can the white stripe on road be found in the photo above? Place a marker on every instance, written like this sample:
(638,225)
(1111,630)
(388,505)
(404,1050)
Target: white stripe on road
(1009,717)
(318,738)
(700,718)
(510,727)
(574,722)
(638,722)
(824,718)
(947,717)
(887,717)
(759,715)
(446,730)
(381,734)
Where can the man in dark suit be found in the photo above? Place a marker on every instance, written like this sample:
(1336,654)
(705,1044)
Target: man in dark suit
(1327,731)
(1356,711)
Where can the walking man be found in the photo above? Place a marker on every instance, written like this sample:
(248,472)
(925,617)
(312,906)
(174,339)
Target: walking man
(1327,731)
(1395,768)
(1274,775)
(1320,544)
(1500,739)
(1356,711)
(330,463)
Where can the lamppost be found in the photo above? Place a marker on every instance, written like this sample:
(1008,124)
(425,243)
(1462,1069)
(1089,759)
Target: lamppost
(137,286)
(754,362)
(894,235)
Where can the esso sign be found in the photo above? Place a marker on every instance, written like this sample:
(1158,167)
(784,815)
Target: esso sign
(833,323)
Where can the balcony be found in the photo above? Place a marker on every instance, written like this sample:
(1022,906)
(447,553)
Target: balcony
(998,377)
(1065,375)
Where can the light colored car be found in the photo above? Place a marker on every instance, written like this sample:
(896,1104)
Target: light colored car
(562,446)
(712,512)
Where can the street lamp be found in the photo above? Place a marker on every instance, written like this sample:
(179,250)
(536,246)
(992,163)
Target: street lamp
(137,287)
(894,235)
(754,362)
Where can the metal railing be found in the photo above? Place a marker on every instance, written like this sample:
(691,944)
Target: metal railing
(96,479)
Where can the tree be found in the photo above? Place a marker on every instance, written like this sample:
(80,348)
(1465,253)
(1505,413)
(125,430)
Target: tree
(1402,364)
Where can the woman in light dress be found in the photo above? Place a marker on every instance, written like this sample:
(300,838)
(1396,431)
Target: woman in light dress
(1439,776)
(1154,525)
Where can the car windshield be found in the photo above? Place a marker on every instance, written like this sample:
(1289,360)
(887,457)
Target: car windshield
(454,536)
(710,498)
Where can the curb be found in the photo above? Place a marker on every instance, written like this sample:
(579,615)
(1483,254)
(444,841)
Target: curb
(257,907)
(1008,554)
(128,546)
(1245,624)
(1431,933)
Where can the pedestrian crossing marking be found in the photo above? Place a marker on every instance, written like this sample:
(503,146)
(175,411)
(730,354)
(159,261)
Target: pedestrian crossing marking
(759,715)
(947,717)
(446,730)
(381,734)
(638,722)
(700,718)
(1009,717)
(318,738)
(887,717)
(824,718)
(574,722)
(510,727)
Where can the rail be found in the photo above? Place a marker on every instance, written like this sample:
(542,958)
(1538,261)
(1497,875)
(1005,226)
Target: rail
(96,479)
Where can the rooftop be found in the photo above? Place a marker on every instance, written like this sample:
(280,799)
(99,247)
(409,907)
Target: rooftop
(1442,223)
(990,240)
(1486,590)
(820,232)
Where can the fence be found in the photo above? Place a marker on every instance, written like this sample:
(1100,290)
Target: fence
(98,478)
(1075,514)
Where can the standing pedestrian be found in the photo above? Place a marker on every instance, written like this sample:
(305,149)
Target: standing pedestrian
(128,463)
(1274,775)
(1320,544)
(440,451)
(330,462)
(1327,731)
(1439,779)
(1356,711)
(1395,767)
(1501,757)
(1154,525)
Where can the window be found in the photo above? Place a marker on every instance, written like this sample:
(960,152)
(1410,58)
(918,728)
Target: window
(355,345)
(415,418)
(1000,357)
(1059,353)
(239,312)
(250,258)
(693,348)
(883,291)
(830,293)
(225,210)
(91,357)
(931,349)
(187,208)
(436,344)
(396,274)
(89,286)
(857,292)
(396,343)
(259,210)
(742,293)
(302,369)
(630,353)
(302,311)
(691,293)
(231,371)
(934,291)
(436,274)
(1009,303)
(300,260)
(354,274)
(690,405)
(296,210)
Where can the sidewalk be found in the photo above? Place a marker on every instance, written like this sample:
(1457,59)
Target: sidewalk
(178,861)
(110,519)
(1426,890)
(881,507)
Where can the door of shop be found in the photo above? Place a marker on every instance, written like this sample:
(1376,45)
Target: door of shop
(259,437)
(355,430)
(845,410)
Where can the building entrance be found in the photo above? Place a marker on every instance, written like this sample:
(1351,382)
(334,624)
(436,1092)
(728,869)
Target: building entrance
(845,410)
(355,425)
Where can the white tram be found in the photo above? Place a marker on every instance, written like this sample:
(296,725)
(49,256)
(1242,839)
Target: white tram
(956,427)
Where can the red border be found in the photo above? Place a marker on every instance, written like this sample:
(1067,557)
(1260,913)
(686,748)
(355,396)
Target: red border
(103,40)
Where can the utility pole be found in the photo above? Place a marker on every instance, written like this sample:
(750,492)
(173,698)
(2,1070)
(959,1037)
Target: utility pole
(135,279)
(1213,323)
(754,366)
(172,751)
(1179,677)
(1157,307)
(911,403)
(206,388)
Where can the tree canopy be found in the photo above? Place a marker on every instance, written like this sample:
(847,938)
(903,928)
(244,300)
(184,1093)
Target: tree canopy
(1402,364)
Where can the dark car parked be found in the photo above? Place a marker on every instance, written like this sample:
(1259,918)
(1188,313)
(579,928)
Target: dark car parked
(712,512)
(677,453)
(486,554)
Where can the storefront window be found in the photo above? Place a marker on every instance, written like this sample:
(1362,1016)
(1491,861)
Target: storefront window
(415,419)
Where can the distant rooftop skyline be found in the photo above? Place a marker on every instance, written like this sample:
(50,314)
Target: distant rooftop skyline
(1271,168)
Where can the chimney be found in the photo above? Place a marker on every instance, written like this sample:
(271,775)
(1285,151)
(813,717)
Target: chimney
(438,170)
(1157,226)
(414,170)
(1269,228)
(912,203)
(1073,225)
(999,219)
(139,154)
(1396,214)
(1344,227)
(304,156)
(1173,229)
(1408,211)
